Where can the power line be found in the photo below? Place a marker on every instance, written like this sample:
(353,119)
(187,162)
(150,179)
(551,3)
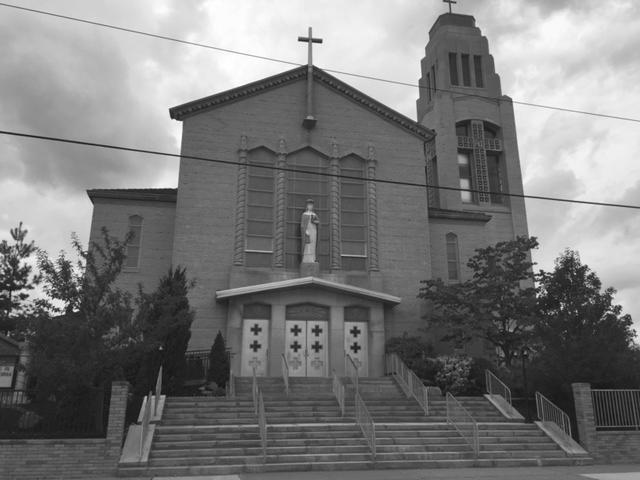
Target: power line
(297,170)
(340,72)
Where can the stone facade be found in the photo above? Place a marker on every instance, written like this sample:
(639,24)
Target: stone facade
(68,458)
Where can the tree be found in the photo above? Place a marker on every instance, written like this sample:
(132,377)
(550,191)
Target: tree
(218,362)
(165,318)
(87,336)
(496,304)
(16,277)
(584,336)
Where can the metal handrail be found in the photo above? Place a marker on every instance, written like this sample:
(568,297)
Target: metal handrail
(616,408)
(285,373)
(338,390)
(146,420)
(366,423)
(158,392)
(255,391)
(231,385)
(495,386)
(352,370)
(463,422)
(549,412)
(409,381)
(262,423)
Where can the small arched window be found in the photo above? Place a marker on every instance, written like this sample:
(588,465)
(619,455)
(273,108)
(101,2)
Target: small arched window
(134,243)
(453,257)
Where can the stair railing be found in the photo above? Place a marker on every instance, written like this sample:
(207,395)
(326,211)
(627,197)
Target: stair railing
(352,370)
(285,373)
(408,380)
(495,386)
(550,412)
(158,392)
(338,390)
(463,422)
(231,385)
(262,423)
(366,423)
(146,420)
(255,391)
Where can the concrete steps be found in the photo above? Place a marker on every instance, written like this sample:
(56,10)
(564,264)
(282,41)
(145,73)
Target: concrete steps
(306,431)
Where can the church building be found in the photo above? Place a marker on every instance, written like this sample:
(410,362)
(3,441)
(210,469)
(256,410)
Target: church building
(292,217)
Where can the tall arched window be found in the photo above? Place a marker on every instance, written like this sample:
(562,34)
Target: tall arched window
(260,201)
(301,186)
(353,214)
(453,257)
(134,243)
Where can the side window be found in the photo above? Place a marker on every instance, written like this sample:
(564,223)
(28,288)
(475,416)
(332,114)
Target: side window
(353,224)
(453,68)
(135,241)
(260,201)
(453,257)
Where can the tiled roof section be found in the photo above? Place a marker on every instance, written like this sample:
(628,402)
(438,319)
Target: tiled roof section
(191,108)
(443,214)
(145,194)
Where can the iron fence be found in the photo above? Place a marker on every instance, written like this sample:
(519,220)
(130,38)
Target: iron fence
(25,414)
(616,409)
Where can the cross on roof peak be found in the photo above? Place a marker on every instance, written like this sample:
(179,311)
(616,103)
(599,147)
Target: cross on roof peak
(450,2)
(309,40)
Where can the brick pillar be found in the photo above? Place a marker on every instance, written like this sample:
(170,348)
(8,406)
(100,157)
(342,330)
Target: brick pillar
(117,414)
(584,416)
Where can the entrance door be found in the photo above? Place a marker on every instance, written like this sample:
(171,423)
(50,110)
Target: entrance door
(306,348)
(255,345)
(356,343)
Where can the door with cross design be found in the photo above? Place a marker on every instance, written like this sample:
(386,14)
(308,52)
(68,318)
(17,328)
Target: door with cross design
(306,348)
(356,344)
(255,347)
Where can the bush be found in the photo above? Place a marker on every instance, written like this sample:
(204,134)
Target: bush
(218,362)
(454,373)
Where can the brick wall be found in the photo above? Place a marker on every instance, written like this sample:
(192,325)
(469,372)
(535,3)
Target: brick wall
(604,447)
(68,458)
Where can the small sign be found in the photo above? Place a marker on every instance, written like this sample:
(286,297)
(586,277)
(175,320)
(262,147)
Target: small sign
(6,376)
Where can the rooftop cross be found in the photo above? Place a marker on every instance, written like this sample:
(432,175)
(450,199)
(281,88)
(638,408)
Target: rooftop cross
(309,121)
(450,2)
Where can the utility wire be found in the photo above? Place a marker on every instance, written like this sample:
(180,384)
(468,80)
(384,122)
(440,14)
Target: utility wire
(340,72)
(297,170)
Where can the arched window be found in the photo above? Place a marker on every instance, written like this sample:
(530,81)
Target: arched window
(353,214)
(300,187)
(453,257)
(134,243)
(260,201)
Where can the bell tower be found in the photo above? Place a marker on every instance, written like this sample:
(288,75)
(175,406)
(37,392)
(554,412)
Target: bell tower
(476,146)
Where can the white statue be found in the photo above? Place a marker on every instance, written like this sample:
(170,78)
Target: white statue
(309,230)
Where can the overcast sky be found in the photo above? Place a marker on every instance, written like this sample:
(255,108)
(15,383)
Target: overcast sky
(66,79)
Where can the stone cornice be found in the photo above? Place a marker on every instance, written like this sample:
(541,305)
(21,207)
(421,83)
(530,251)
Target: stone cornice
(458,215)
(183,111)
(168,195)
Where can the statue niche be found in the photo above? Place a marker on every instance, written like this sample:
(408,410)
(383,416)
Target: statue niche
(309,232)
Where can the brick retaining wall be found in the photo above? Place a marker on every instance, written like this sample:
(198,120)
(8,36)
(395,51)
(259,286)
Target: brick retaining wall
(68,458)
(604,447)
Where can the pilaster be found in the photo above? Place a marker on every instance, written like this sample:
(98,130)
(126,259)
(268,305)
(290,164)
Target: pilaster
(373,209)
(334,199)
(281,199)
(241,204)
(584,416)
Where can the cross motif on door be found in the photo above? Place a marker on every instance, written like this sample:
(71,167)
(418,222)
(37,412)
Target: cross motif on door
(256,329)
(355,348)
(316,347)
(296,330)
(295,346)
(355,331)
(316,330)
(255,346)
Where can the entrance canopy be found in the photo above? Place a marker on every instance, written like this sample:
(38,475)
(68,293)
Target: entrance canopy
(308,281)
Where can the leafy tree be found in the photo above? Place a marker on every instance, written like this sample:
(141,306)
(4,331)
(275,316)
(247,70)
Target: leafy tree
(165,318)
(584,336)
(90,339)
(496,304)
(16,277)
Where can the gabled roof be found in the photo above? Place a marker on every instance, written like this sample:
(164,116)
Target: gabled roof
(149,194)
(183,111)
(306,282)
